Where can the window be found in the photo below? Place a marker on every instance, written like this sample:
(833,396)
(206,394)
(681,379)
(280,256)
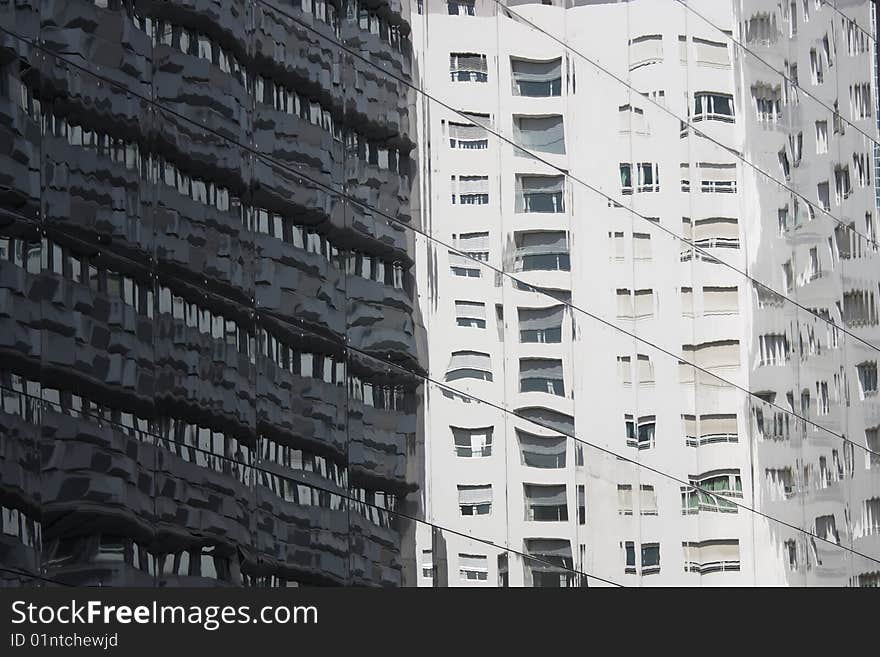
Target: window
(871,516)
(473,567)
(626,184)
(700,496)
(761,29)
(542,325)
(475,500)
(470,190)
(713,355)
(767,101)
(629,557)
(469,365)
(867,373)
(645,50)
(716,232)
(821,137)
(842,186)
(552,563)
(817,74)
(637,305)
(646,428)
(713,107)
(541,451)
(687,302)
(787,276)
(860,101)
(717,178)
(470,136)
(428,564)
(624,370)
(860,166)
(632,119)
(711,53)
(540,193)
(711,556)
(650,557)
(541,251)
(826,528)
(645,369)
(470,314)
(472,443)
(468,67)
(545,134)
(784,164)
(545,503)
(796,143)
(647,500)
(649,177)
(823,194)
(773,350)
(555,420)
(536,78)
(582,505)
(720,300)
(460,8)
(630,430)
(624,499)
(616,249)
(872,442)
(779,483)
(541,375)
(473,246)
(713,428)
(642,246)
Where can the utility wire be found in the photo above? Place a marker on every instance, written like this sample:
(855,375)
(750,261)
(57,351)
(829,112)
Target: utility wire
(663,108)
(300,480)
(789,80)
(297,324)
(521,283)
(518,282)
(583,183)
(499,407)
(699,133)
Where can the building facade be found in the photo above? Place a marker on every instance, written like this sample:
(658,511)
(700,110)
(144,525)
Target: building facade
(208,338)
(640,274)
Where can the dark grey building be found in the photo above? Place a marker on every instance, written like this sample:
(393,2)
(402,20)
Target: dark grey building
(192,307)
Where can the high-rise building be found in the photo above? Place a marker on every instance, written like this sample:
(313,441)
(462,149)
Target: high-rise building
(200,295)
(650,300)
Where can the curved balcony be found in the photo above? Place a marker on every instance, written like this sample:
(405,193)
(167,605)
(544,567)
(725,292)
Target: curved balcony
(104,41)
(293,283)
(380,319)
(377,447)
(309,543)
(95,477)
(198,90)
(20,161)
(304,409)
(204,379)
(200,496)
(375,554)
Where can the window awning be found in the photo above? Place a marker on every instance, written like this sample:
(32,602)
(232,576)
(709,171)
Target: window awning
(536,71)
(540,368)
(475,494)
(540,319)
(544,495)
(471,360)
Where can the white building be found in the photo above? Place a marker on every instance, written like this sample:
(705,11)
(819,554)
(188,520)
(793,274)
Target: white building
(598,90)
